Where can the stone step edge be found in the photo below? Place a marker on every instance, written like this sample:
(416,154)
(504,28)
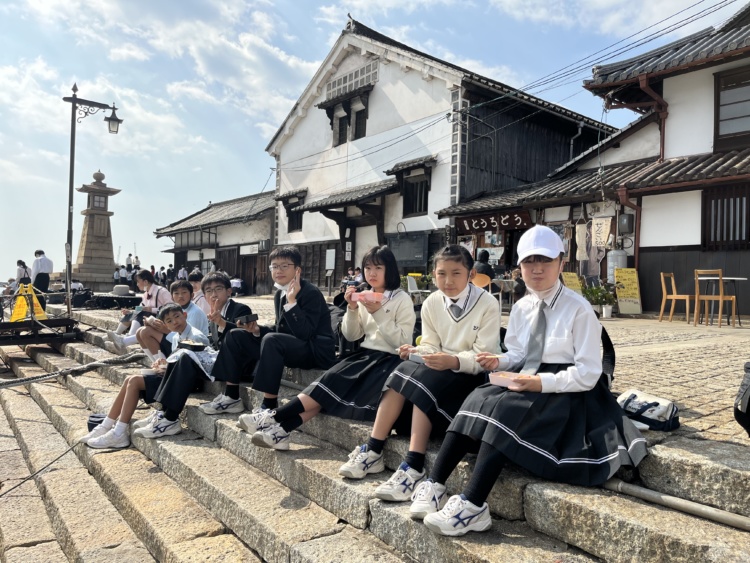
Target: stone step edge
(137,517)
(147,447)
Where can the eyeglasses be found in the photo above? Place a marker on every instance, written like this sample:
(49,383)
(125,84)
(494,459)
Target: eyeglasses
(282,267)
(212,290)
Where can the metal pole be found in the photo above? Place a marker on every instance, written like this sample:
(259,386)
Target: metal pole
(69,242)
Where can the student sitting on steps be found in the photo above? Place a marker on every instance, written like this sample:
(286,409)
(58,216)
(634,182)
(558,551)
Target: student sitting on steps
(353,387)
(554,416)
(459,321)
(113,432)
(302,338)
(185,376)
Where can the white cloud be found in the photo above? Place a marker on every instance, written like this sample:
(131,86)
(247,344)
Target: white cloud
(364,9)
(128,51)
(612,17)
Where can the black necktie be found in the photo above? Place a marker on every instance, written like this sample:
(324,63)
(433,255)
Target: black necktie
(535,348)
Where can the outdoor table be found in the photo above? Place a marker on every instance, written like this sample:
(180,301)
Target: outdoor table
(711,282)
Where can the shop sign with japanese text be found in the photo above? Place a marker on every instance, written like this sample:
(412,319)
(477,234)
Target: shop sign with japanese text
(496,221)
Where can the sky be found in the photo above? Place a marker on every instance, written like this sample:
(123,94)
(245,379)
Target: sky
(202,86)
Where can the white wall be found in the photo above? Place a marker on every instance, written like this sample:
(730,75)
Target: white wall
(641,144)
(671,219)
(690,125)
(242,233)
(367,237)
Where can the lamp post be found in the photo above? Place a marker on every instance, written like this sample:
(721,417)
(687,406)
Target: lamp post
(80,108)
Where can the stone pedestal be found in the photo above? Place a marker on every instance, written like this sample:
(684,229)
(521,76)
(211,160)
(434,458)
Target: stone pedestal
(96,262)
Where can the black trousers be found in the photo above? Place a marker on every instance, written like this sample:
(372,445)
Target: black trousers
(276,351)
(41,282)
(237,357)
(182,378)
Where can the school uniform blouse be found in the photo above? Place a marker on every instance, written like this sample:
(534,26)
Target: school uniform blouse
(572,336)
(154,298)
(387,328)
(476,330)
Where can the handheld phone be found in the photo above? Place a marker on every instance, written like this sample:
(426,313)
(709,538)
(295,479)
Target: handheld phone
(352,282)
(246,319)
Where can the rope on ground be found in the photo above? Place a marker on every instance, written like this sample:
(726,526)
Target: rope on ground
(14,487)
(128,358)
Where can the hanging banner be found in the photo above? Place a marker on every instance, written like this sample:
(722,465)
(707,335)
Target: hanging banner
(600,229)
(494,221)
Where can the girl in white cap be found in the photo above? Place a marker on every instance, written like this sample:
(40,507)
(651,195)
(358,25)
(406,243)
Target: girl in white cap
(553,414)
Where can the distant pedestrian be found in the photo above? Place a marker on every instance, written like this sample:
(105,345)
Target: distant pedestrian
(116,276)
(129,263)
(153,271)
(213,266)
(183,273)
(40,271)
(23,275)
(123,274)
(137,263)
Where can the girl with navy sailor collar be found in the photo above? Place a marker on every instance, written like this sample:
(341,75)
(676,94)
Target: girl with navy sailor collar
(553,413)
(352,388)
(425,391)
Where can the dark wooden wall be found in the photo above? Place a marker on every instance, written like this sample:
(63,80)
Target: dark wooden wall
(522,151)
(314,262)
(683,261)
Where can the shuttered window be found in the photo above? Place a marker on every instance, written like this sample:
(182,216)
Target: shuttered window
(726,218)
(732,112)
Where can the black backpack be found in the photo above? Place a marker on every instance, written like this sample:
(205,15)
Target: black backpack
(344,347)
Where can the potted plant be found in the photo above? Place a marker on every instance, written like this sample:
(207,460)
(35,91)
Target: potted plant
(601,296)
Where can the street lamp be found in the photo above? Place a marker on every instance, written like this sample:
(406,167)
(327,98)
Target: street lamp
(82,108)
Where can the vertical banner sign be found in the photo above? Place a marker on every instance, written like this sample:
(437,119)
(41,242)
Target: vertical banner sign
(600,228)
(628,291)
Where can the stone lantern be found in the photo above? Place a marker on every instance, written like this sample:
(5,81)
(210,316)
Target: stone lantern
(96,262)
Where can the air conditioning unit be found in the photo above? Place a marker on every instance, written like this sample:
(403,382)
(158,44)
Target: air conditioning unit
(264,245)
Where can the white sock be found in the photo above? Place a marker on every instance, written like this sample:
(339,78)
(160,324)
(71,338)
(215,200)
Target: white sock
(129,340)
(108,423)
(121,328)
(134,326)
(149,355)
(120,427)
(160,356)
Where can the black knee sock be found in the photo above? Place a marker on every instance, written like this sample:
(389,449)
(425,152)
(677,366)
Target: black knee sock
(232,391)
(415,460)
(172,415)
(375,445)
(291,423)
(269,403)
(290,410)
(490,463)
(454,448)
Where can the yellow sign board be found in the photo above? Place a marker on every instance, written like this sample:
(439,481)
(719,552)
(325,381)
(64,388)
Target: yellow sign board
(21,307)
(628,291)
(571,280)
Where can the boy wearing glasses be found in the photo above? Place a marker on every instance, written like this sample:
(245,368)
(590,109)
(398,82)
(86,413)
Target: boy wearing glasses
(301,338)
(185,376)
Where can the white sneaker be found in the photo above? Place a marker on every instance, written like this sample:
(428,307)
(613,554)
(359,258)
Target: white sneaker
(256,420)
(362,462)
(428,497)
(118,342)
(401,484)
(98,430)
(458,517)
(142,423)
(273,436)
(160,427)
(222,404)
(110,440)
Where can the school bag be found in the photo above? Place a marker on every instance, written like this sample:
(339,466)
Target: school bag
(741,403)
(344,347)
(649,412)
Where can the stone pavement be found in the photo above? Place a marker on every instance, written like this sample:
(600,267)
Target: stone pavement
(700,368)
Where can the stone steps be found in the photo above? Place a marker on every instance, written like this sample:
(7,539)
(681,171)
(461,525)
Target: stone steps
(640,531)
(276,522)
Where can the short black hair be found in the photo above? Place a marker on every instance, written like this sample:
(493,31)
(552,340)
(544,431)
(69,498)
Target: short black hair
(288,252)
(483,256)
(382,255)
(181,283)
(454,252)
(169,308)
(145,275)
(195,276)
(216,277)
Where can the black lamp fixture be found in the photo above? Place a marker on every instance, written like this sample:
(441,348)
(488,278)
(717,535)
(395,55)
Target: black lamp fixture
(80,108)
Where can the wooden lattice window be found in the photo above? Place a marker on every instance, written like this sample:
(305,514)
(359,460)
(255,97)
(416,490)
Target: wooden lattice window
(416,193)
(726,218)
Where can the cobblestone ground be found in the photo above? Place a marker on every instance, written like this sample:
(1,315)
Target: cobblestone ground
(700,368)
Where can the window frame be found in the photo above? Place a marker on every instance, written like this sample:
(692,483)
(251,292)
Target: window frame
(725,218)
(415,205)
(729,141)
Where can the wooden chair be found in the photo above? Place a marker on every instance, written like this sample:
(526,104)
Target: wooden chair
(720,297)
(483,281)
(674,296)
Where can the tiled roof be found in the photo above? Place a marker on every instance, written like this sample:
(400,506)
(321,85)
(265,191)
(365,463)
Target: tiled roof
(239,210)
(362,30)
(294,193)
(354,195)
(414,163)
(697,49)
(635,175)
